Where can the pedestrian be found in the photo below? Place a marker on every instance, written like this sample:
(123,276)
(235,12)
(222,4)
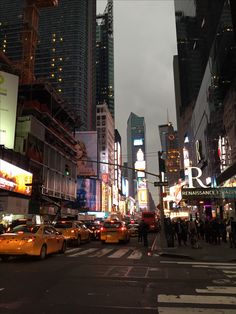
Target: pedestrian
(140,233)
(144,232)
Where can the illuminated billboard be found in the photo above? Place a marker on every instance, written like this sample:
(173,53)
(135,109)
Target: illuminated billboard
(14,179)
(138,142)
(8,105)
(87,193)
(86,153)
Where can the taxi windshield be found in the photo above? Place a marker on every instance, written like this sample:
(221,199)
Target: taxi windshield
(112,225)
(24,229)
(63,225)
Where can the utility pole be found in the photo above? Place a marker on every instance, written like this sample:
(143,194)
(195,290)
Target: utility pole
(161,208)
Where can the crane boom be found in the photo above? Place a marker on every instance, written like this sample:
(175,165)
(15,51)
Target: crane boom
(30,37)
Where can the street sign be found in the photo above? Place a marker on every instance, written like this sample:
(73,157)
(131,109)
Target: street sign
(164,183)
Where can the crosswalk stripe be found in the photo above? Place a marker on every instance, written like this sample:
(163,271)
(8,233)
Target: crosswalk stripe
(230,271)
(188,310)
(218,289)
(83,252)
(136,254)
(119,253)
(215,267)
(196,299)
(101,253)
(199,263)
(73,250)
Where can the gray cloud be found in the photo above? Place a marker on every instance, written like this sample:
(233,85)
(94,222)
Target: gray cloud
(145,42)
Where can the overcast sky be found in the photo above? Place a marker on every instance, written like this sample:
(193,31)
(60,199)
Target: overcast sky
(144,46)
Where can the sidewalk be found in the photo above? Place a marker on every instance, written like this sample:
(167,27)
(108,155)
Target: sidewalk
(207,252)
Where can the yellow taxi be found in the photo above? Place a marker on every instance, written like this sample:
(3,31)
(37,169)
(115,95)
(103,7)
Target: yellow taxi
(114,231)
(34,240)
(73,231)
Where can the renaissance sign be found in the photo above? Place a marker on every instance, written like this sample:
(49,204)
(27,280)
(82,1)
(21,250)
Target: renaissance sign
(189,191)
(221,192)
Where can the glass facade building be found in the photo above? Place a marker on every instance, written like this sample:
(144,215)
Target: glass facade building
(105,58)
(66,51)
(136,131)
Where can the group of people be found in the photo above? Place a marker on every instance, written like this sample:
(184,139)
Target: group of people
(213,231)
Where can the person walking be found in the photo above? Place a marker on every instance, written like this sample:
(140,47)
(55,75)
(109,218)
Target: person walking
(140,233)
(144,232)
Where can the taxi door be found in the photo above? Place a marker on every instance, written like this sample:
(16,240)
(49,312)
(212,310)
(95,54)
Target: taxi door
(50,239)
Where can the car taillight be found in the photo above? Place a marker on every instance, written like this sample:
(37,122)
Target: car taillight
(29,239)
(122,228)
(72,231)
(102,229)
(20,232)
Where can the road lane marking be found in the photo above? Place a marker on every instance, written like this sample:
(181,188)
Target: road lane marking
(199,263)
(196,299)
(215,267)
(230,271)
(136,254)
(83,252)
(190,310)
(73,250)
(101,253)
(119,253)
(218,289)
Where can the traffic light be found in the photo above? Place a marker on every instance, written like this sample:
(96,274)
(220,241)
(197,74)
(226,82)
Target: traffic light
(162,166)
(67,171)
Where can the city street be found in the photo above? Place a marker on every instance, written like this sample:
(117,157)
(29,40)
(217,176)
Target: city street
(116,278)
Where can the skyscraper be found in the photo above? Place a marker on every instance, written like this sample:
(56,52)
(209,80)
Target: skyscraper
(135,142)
(105,58)
(65,54)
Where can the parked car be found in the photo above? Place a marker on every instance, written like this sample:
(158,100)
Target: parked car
(133,229)
(73,231)
(114,231)
(33,240)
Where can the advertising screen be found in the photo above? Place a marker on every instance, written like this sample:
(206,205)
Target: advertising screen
(86,153)
(86,193)
(8,104)
(14,179)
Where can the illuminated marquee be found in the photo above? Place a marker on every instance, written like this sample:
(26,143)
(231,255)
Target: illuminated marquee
(15,179)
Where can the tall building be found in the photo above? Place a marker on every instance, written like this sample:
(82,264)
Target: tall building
(106,141)
(105,58)
(206,34)
(170,152)
(65,53)
(136,141)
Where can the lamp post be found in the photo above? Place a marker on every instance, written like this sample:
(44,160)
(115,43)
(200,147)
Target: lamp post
(161,184)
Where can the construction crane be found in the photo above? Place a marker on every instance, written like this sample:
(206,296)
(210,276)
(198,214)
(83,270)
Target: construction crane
(30,37)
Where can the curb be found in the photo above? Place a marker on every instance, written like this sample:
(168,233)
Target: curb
(175,255)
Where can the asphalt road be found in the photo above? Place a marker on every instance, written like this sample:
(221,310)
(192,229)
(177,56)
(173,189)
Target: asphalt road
(114,278)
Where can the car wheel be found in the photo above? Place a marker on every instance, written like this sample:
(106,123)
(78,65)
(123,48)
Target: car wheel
(43,252)
(5,258)
(78,241)
(63,248)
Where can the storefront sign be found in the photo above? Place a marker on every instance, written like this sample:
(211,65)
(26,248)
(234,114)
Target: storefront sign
(202,193)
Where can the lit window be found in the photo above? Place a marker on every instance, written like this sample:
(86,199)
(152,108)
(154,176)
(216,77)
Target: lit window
(52,64)
(60,59)
(59,79)
(52,75)
(60,69)
(61,39)
(53,59)
(54,40)
(59,90)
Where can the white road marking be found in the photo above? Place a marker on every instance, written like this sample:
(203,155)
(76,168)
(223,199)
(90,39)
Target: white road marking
(230,271)
(215,267)
(198,263)
(218,289)
(231,276)
(83,252)
(196,299)
(1,289)
(119,253)
(136,254)
(68,251)
(190,310)
(101,253)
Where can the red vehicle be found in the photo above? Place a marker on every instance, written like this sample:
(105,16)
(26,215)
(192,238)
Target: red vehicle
(150,219)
